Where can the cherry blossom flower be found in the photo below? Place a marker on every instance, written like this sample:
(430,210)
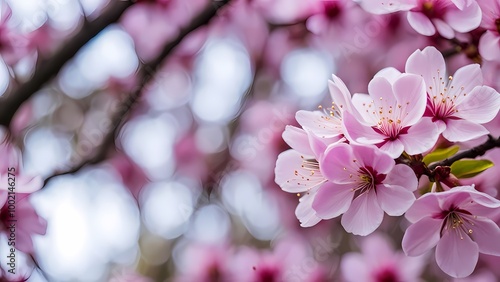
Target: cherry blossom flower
(328,124)
(298,171)
(363,183)
(458,222)
(11,162)
(458,104)
(205,263)
(380,262)
(290,260)
(489,44)
(13,45)
(391,116)
(428,16)
(28,222)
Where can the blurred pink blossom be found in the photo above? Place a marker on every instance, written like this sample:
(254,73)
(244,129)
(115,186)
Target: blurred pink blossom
(428,16)
(11,167)
(27,221)
(379,262)
(489,44)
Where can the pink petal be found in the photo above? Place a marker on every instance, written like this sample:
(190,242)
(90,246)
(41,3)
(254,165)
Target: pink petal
(481,105)
(428,63)
(444,29)
(305,213)
(297,139)
(481,198)
(460,130)
(427,205)
(340,94)
(420,137)
(410,92)
(393,199)
(421,23)
(363,216)
(319,123)
(464,20)
(393,148)
(332,200)
(486,234)
(380,90)
(468,77)
(361,103)
(402,175)
(380,7)
(459,3)
(358,132)
(373,157)
(389,73)
(336,158)
(319,145)
(287,163)
(489,46)
(457,257)
(421,236)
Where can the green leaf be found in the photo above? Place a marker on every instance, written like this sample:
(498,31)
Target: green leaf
(469,168)
(440,154)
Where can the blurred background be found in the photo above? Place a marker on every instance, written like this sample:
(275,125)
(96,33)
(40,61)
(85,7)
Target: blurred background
(185,188)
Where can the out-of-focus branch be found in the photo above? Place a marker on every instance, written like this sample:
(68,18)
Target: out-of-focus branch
(471,153)
(50,67)
(146,74)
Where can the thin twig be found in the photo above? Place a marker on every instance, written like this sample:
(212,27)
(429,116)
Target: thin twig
(145,74)
(49,68)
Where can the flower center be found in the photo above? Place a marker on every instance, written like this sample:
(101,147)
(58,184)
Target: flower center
(386,275)
(459,221)
(497,23)
(309,176)
(368,180)
(444,97)
(332,9)
(434,8)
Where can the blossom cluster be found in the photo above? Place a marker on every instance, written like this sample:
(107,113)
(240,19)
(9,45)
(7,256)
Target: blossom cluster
(357,159)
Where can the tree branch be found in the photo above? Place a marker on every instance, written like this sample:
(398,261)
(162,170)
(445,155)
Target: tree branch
(50,67)
(145,74)
(471,153)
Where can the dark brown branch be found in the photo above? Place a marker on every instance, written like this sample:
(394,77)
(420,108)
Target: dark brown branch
(145,74)
(471,153)
(50,67)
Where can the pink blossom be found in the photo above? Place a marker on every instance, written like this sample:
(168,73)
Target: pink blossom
(428,16)
(297,171)
(489,44)
(290,260)
(458,104)
(458,222)
(391,115)
(13,45)
(205,263)
(363,183)
(328,123)
(380,262)
(11,164)
(28,222)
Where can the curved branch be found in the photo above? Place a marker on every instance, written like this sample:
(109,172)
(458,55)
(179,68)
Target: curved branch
(50,67)
(145,74)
